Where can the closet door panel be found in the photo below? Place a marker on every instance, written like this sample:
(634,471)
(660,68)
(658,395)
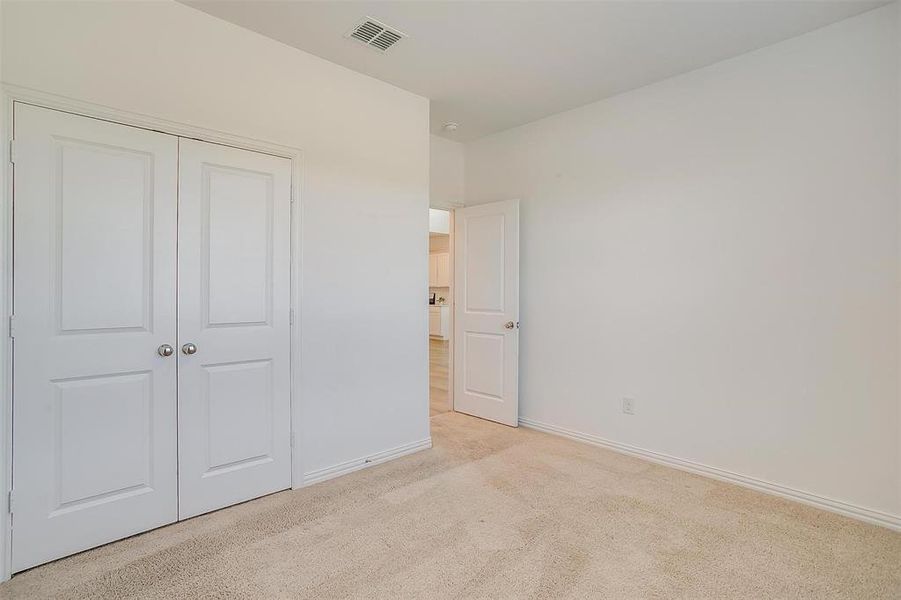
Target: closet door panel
(234,300)
(94,409)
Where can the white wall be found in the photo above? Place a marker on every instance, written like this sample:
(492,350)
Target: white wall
(364,372)
(723,247)
(439,220)
(446,172)
(898,46)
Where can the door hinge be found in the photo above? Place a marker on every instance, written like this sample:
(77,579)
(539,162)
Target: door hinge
(12,151)
(290,316)
(9,502)
(12,322)
(292,439)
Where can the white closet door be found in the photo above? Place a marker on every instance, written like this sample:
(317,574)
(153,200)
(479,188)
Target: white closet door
(95,270)
(233,303)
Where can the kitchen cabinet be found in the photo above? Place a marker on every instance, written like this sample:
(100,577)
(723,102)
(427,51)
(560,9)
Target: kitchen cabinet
(439,321)
(439,270)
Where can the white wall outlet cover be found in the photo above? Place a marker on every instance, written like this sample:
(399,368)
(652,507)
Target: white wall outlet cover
(629,406)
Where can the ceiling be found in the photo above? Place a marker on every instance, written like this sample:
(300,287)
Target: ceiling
(490,66)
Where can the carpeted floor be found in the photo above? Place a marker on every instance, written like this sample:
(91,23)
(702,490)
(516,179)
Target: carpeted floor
(493,512)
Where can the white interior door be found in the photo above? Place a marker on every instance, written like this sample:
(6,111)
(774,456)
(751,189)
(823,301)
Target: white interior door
(233,308)
(94,298)
(486,322)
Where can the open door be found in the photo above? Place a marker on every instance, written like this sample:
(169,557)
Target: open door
(486,322)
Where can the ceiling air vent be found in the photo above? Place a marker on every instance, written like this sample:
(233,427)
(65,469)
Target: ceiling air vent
(375,35)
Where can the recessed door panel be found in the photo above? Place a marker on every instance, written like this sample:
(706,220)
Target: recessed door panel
(120,217)
(238,246)
(100,463)
(94,408)
(484,374)
(240,426)
(234,298)
(484,266)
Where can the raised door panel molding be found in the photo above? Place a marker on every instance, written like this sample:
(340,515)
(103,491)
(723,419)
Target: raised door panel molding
(238,403)
(238,246)
(94,465)
(120,219)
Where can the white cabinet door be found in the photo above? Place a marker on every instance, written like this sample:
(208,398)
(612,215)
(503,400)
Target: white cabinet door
(234,299)
(95,273)
(442,270)
(434,321)
(445,322)
(486,289)
(433,271)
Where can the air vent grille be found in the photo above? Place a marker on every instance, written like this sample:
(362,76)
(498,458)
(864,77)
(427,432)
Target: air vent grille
(375,34)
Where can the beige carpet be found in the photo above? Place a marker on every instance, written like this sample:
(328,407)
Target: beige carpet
(493,512)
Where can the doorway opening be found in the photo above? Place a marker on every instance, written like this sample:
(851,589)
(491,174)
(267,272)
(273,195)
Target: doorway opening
(440,311)
(474,311)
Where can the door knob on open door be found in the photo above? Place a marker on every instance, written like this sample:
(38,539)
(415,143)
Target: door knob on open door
(509,325)
(189,348)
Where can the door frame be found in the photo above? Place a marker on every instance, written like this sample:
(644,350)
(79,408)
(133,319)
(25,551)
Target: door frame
(9,95)
(450,207)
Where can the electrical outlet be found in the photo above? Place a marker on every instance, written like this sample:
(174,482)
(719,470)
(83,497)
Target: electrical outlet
(628,406)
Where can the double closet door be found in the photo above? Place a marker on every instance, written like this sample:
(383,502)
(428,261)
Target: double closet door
(151,330)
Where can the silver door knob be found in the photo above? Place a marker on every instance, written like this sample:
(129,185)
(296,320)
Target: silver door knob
(165,350)
(509,325)
(189,348)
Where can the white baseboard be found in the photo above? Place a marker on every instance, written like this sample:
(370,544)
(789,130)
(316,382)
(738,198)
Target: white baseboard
(366,461)
(837,506)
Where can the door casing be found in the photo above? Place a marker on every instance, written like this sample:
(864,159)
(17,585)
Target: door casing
(10,94)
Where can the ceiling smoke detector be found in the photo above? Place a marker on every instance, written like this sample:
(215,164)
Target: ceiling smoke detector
(375,34)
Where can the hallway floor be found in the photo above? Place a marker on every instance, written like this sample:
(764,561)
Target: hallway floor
(438,370)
